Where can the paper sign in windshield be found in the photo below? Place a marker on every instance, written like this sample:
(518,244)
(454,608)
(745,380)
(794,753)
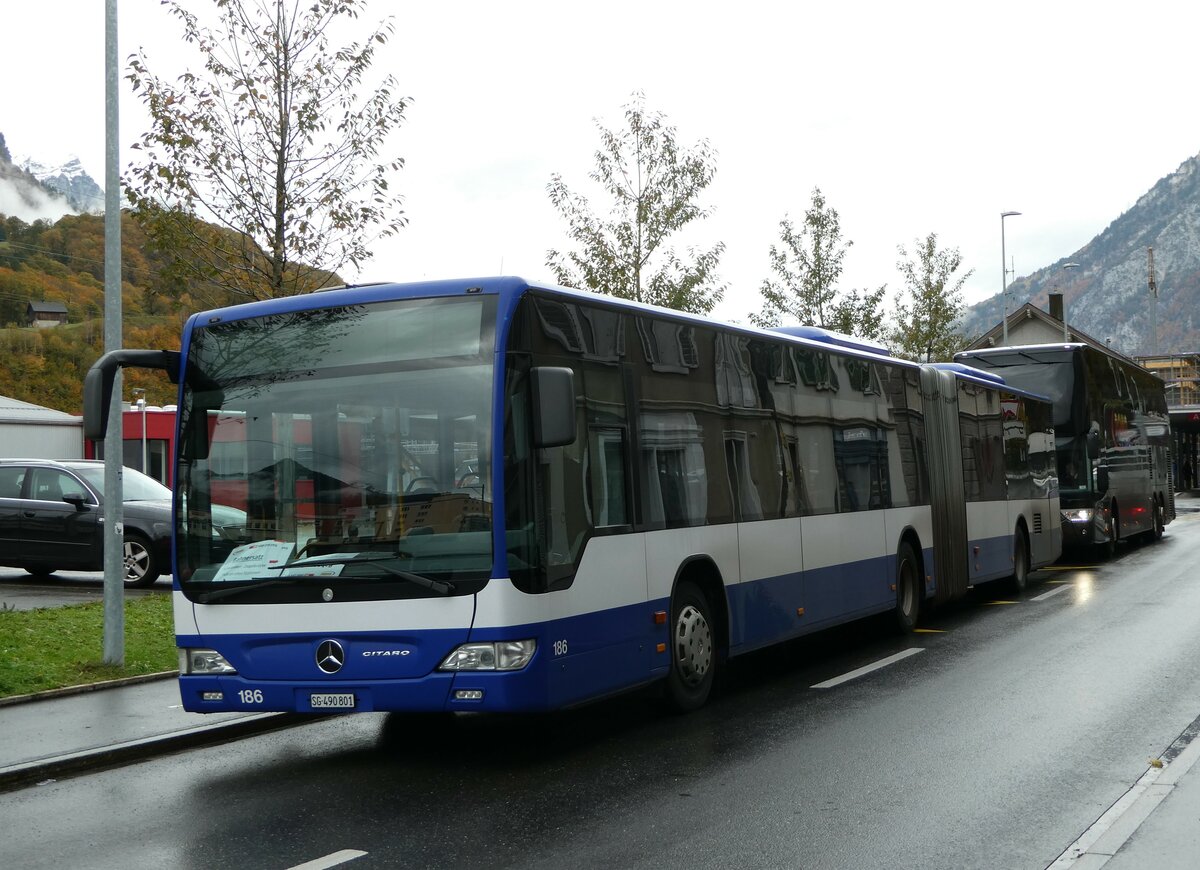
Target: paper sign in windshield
(258,559)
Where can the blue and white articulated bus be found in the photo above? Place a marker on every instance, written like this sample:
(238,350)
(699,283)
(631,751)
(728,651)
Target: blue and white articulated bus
(491,495)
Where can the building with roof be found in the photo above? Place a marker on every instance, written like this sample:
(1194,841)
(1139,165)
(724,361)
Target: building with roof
(31,431)
(45,314)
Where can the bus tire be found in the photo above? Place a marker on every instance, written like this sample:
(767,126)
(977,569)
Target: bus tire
(1159,520)
(908,588)
(693,649)
(1109,548)
(1020,575)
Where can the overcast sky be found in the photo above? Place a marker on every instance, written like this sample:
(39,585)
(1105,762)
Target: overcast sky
(912,117)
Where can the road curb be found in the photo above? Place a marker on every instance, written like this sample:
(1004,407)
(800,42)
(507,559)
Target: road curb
(83,688)
(28,772)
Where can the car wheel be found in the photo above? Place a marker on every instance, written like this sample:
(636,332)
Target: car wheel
(693,652)
(141,568)
(908,589)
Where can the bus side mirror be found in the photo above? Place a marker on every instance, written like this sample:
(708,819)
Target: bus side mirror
(553,394)
(98,383)
(1093,441)
(1102,479)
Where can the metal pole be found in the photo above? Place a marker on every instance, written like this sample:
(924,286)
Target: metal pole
(1004,271)
(114,544)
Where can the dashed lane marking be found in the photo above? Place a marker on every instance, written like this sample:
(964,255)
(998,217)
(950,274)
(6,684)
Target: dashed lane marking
(1052,593)
(866,669)
(331,860)
(929,631)
(993,603)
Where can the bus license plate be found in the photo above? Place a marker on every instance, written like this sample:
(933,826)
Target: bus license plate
(326,701)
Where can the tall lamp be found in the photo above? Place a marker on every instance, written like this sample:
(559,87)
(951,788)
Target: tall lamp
(1004,270)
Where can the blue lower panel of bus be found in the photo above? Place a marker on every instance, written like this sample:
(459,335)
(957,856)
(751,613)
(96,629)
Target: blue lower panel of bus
(577,659)
(777,608)
(990,558)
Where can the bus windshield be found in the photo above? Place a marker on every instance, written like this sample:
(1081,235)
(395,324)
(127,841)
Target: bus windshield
(354,439)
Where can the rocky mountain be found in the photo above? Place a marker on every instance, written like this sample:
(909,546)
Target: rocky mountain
(72,181)
(1107,293)
(33,191)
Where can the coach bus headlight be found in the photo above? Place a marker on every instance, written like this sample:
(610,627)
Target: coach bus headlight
(505,655)
(203,661)
(1077,515)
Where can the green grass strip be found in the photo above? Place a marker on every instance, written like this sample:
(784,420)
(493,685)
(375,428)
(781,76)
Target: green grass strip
(52,647)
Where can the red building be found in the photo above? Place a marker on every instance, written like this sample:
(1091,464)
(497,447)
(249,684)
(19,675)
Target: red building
(158,427)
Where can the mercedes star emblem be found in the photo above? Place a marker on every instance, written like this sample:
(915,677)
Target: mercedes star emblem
(330,656)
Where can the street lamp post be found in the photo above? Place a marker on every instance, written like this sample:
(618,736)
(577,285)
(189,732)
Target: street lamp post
(141,403)
(1004,270)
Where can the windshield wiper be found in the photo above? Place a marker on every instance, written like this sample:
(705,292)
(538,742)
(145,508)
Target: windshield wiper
(441,587)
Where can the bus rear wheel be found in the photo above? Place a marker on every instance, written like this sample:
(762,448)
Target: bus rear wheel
(693,653)
(908,588)
(1020,575)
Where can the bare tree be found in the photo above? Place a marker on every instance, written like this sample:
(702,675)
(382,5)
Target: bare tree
(264,171)
(654,185)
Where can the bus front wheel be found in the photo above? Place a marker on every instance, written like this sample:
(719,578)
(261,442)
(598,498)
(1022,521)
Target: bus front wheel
(693,652)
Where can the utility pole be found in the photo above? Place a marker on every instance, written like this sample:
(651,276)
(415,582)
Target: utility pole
(113,528)
(1153,305)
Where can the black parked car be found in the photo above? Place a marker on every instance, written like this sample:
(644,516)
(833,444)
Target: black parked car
(51,517)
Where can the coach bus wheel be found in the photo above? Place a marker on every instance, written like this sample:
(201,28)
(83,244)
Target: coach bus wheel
(1020,575)
(693,654)
(1159,512)
(908,588)
(1109,548)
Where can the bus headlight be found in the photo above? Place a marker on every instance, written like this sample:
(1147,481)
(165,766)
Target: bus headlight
(1077,515)
(203,661)
(505,655)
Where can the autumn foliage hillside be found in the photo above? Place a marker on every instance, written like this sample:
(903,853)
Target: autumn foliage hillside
(64,262)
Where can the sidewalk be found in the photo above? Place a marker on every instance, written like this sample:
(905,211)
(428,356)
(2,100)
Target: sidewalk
(63,734)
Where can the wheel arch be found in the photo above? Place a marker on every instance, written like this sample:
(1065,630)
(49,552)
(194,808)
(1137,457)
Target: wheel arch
(703,572)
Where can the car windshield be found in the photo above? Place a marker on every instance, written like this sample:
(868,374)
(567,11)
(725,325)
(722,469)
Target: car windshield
(344,430)
(135,486)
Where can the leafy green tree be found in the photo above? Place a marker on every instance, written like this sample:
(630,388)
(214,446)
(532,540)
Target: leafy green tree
(654,184)
(927,312)
(277,143)
(806,266)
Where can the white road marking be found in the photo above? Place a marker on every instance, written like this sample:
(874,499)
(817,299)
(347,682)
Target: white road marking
(331,860)
(1052,593)
(866,669)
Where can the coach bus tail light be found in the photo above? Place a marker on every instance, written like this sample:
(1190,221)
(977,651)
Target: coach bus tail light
(203,661)
(1077,515)
(505,655)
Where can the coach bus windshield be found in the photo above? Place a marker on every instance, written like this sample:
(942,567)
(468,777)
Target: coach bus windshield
(354,439)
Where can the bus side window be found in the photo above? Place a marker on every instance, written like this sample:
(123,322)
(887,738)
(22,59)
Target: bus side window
(606,478)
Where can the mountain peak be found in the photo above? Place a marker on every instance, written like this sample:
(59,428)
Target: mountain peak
(1108,294)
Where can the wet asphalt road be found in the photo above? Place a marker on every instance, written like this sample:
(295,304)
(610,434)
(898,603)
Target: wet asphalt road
(22,591)
(1019,722)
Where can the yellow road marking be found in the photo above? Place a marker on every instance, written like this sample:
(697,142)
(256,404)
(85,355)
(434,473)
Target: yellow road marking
(928,631)
(1001,602)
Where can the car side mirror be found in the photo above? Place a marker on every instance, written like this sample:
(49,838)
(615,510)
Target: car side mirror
(79,501)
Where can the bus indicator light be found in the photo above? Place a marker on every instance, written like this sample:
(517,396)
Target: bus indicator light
(662,647)
(660,617)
